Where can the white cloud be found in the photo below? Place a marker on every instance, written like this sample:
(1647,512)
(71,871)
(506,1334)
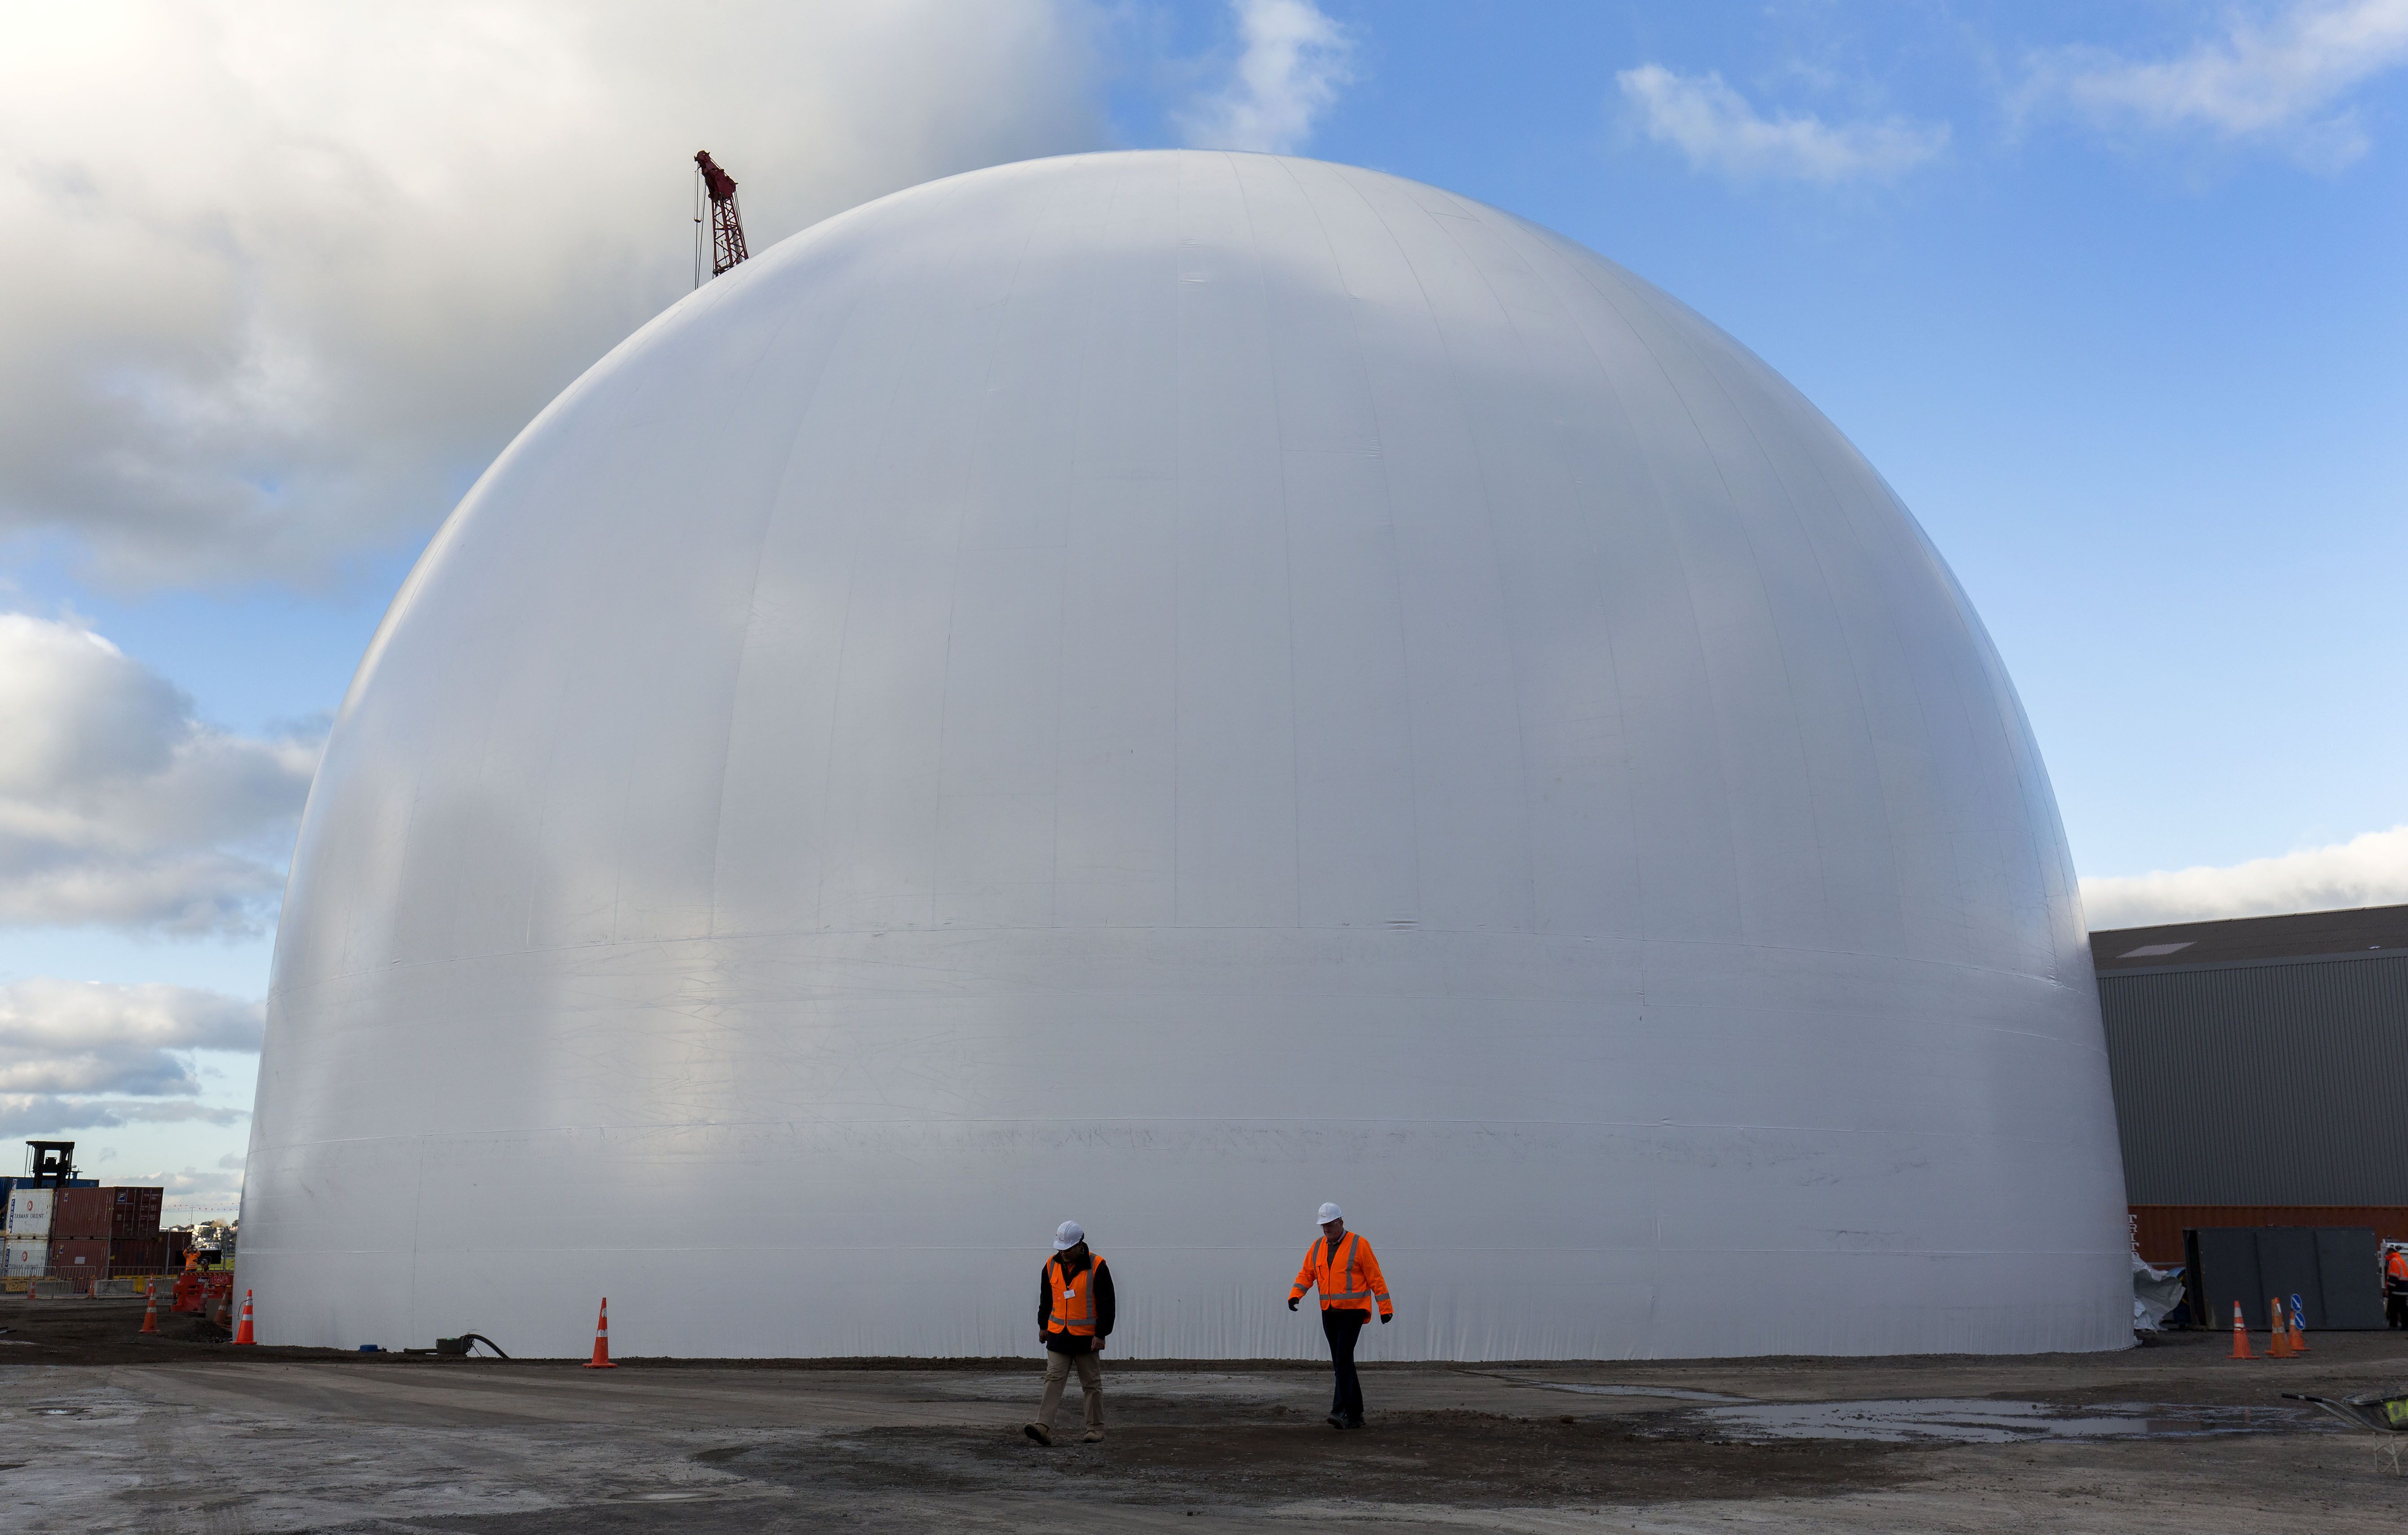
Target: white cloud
(2279,82)
(46,1113)
(277,277)
(1716,128)
(118,808)
(84,1037)
(1292,65)
(84,1055)
(2368,871)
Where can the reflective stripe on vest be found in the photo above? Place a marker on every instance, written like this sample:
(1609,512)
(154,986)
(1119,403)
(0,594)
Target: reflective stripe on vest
(1074,1298)
(1344,1274)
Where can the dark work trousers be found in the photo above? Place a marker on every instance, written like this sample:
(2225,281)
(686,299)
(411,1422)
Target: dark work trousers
(1342,1328)
(2395,1309)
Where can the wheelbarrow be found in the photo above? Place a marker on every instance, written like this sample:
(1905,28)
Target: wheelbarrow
(2385,1415)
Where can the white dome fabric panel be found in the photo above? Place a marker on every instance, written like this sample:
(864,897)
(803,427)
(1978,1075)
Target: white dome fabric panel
(1161,689)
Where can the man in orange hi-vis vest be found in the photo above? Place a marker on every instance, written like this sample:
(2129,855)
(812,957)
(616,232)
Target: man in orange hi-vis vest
(1074,1316)
(1342,1267)
(2395,1288)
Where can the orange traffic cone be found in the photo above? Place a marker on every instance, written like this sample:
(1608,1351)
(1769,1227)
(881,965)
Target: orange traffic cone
(2239,1335)
(2278,1346)
(2299,1328)
(601,1360)
(242,1333)
(151,1312)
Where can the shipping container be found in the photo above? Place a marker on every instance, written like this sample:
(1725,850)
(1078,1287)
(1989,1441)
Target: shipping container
(136,1254)
(2157,1229)
(78,1257)
(80,1212)
(29,1213)
(135,1213)
(21,1257)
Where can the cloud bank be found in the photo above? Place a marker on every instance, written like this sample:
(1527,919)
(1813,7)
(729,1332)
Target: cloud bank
(2281,82)
(279,277)
(1716,130)
(1292,63)
(82,1055)
(117,808)
(2369,870)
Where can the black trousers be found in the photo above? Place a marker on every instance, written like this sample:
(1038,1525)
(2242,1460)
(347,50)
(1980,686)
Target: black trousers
(2395,1309)
(1343,1328)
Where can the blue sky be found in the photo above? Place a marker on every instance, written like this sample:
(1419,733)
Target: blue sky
(2111,293)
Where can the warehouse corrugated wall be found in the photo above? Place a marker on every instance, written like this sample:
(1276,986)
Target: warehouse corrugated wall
(2262,1082)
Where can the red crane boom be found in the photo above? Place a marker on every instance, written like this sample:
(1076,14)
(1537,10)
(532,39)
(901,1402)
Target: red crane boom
(726,220)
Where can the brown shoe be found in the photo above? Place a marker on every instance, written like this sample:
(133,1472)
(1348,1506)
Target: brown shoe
(1039,1432)
(1093,1435)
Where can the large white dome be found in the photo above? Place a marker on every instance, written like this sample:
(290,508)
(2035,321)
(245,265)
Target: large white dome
(1163,689)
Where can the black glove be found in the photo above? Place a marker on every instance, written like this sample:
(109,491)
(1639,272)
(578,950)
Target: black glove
(1385,1318)
(1291,1302)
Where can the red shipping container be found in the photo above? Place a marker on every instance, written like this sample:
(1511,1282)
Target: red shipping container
(2157,1229)
(78,1257)
(136,1211)
(136,1256)
(80,1212)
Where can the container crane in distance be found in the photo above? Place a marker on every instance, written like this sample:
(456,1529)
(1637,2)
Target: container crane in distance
(726,220)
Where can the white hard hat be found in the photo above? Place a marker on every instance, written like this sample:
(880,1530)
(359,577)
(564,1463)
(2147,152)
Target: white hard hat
(1067,1235)
(1328,1213)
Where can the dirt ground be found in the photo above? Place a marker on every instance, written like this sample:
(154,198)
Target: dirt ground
(102,1430)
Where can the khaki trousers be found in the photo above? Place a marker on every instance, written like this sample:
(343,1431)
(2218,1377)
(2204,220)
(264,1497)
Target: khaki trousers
(1091,1382)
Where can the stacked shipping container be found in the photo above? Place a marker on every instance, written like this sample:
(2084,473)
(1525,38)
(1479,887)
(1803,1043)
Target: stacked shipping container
(82,1231)
(27,1250)
(80,1223)
(134,1244)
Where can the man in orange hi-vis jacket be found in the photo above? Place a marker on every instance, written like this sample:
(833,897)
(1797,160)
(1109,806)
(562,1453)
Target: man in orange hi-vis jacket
(1342,1267)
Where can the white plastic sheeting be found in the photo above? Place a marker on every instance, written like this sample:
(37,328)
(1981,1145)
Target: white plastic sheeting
(1163,689)
(2155,1292)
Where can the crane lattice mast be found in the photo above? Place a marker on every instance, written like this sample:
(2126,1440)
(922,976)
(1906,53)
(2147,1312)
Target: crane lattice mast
(726,220)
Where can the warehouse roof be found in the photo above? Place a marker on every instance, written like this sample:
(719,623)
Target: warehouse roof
(2293,936)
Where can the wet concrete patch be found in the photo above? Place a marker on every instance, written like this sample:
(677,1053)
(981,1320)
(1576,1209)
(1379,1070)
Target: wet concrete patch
(1655,1393)
(1972,1421)
(1413,1457)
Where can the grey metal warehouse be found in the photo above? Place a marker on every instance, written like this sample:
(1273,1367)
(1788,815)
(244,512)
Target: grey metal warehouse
(2260,1069)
